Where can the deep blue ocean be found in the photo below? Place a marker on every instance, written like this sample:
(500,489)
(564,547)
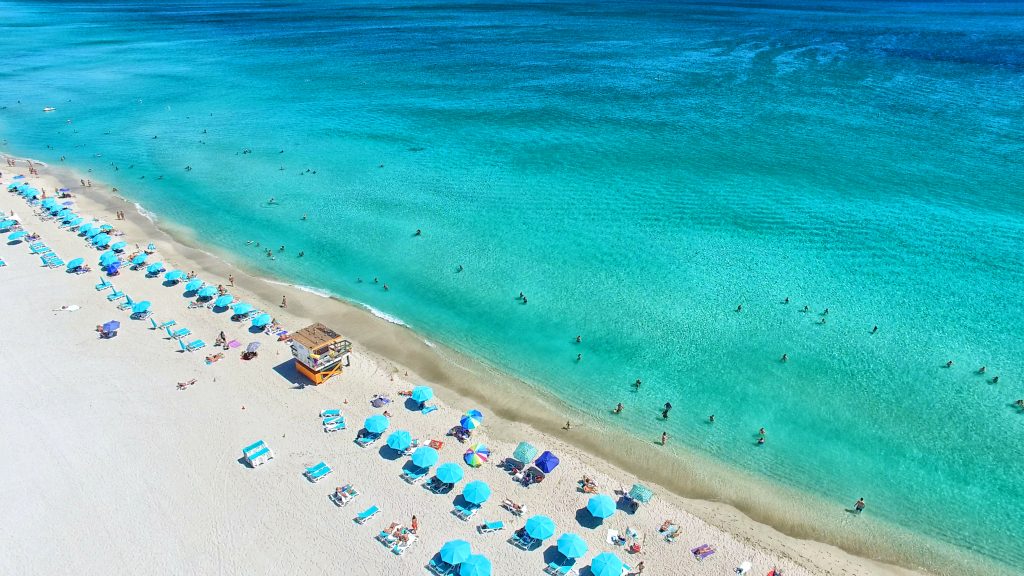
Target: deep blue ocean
(638,170)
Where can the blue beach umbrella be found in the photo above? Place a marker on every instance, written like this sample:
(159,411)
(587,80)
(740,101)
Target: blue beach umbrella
(422,393)
(94,231)
(106,227)
(84,228)
(193,285)
(476,492)
(207,292)
(118,246)
(399,440)
(223,301)
(102,241)
(139,259)
(601,506)
(261,320)
(75,263)
(75,221)
(47,202)
(424,457)
(242,308)
(141,307)
(546,462)
(111,326)
(6,224)
(454,552)
(475,565)
(113,267)
(470,421)
(16,235)
(174,275)
(525,452)
(376,424)
(571,545)
(449,473)
(108,259)
(32,193)
(69,217)
(155,268)
(540,527)
(606,564)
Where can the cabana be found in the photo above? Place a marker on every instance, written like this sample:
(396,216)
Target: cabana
(319,352)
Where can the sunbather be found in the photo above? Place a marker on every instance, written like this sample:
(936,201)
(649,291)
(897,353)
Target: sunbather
(183,385)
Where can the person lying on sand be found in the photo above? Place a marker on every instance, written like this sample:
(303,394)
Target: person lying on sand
(183,385)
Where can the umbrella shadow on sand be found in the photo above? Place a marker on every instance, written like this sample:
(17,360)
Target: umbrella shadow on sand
(388,453)
(587,520)
(551,554)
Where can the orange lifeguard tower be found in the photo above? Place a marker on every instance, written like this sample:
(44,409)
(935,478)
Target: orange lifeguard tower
(319,352)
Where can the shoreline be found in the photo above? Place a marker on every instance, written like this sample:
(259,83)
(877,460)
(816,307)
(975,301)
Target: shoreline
(749,516)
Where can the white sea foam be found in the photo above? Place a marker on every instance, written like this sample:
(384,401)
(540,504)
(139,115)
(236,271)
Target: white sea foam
(145,213)
(310,289)
(384,315)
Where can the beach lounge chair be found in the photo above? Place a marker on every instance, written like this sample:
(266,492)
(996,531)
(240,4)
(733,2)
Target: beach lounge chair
(703,551)
(404,541)
(440,567)
(367,440)
(331,420)
(428,408)
(389,536)
(178,334)
(490,527)
(744,567)
(365,515)
(115,295)
(563,566)
(330,413)
(103,285)
(191,346)
(318,472)
(257,453)
(436,486)
(126,304)
(513,507)
(343,495)
(162,326)
(520,539)
(141,315)
(413,474)
(335,426)
(466,512)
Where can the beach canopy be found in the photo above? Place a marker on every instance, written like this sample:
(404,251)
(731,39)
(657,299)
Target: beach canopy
(454,552)
(118,246)
(376,424)
(476,492)
(111,326)
(242,308)
(155,268)
(141,307)
(399,440)
(601,506)
(571,545)
(449,473)
(174,275)
(223,301)
(424,457)
(140,259)
(475,565)
(525,452)
(112,267)
(16,235)
(471,420)
(606,564)
(422,393)
(540,527)
(207,292)
(252,347)
(547,462)
(477,455)
(261,320)
(193,285)
(641,493)
(75,263)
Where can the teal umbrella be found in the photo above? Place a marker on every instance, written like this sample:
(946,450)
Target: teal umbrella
(155,268)
(16,235)
(6,224)
(174,275)
(641,493)
(422,393)
(95,231)
(399,440)
(540,527)
(106,227)
(75,263)
(571,545)
(207,292)
(376,424)
(475,565)
(424,457)
(223,301)
(107,260)
(139,259)
(261,320)
(118,246)
(85,228)
(449,473)
(601,506)
(454,552)
(606,564)
(75,221)
(242,308)
(476,492)
(193,285)
(69,217)
(525,452)
(103,240)
(141,307)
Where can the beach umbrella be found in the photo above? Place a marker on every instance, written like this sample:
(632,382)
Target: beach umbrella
(449,473)
(207,292)
(84,229)
(61,212)
(31,193)
(69,217)
(75,221)
(525,452)
(470,421)
(477,455)
(571,545)
(108,259)
(606,564)
(112,267)
(454,552)
(641,493)
(223,301)
(16,235)
(399,440)
(94,231)
(139,259)
(475,565)
(261,320)
(111,326)
(106,227)
(476,492)
(102,241)
(75,263)
(546,462)
(118,246)
(252,347)
(141,307)
(242,308)
(193,285)
(376,424)
(601,506)
(47,201)
(424,457)
(174,275)
(155,268)
(540,527)
(422,393)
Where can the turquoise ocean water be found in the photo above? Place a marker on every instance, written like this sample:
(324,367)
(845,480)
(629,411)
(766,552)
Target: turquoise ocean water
(638,169)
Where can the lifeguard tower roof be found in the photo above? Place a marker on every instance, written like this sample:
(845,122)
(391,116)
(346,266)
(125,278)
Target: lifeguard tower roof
(314,336)
(319,352)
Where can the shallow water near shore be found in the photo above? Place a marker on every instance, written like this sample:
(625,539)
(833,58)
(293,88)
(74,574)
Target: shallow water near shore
(638,171)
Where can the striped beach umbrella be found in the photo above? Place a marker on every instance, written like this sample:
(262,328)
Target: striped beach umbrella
(477,455)
(471,420)
(525,452)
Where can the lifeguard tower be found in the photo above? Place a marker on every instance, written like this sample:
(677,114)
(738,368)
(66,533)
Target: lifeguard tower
(319,352)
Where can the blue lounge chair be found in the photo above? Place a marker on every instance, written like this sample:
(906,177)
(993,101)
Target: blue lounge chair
(440,567)
(491,527)
(191,346)
(178,334)
(331,420)
(466,512)
(520,539)
(330,413)
(427,409)
(163,326)
(257,453)
(115,295)
(318,472)
(128,303)
(367,440)
(103,285)
(335,426)
(413,474)
(365,515)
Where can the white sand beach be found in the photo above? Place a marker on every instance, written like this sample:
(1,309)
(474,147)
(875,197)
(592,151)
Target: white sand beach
(109,467)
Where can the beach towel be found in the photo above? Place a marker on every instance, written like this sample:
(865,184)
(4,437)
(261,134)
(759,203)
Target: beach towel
(428,409)
(234,344)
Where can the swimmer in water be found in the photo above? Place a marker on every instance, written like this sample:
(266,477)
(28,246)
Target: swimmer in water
(636,384)
(995,379)
(301,254)
(579,339)
(304,217)
(785,357)
(579,357)
(524,299)
(761,431)
(386,286)
(875,329)
(459,269)
(711,418)
(281,249)
(618,408)
(419,232)
(271,201)
(807,308)
(949,364)
(786,301)
(981,370)
(760,441)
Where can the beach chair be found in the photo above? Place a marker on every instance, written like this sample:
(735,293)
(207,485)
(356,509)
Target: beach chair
(413,474)
(257,453)
(520,539)
(427,408)
(440,567)
(407,539)
(367,440)
(336,426)
(514,508)
(162,326)
(2,263)
(365,515)
(466,512)
(191,346)
(177,334)
(317,472)
(488,527)
(126,304)
(330,413)
(55,262)
(115,295)
(389,536)
(141,315)
(331,420)
(562,566)
(343,495)
(435,485)
(104,284)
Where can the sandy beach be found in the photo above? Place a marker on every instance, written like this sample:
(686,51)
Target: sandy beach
(109,464)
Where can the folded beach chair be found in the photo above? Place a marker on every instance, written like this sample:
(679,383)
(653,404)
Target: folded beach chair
(115,295)
(128,303)
(335,426)
(365,515)
(103,285)
(191,346)
(330,413)
(490,527)
(162,326)
(440,567)
(317,472)
(178,334)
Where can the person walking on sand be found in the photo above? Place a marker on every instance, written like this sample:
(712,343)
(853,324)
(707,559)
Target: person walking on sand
(284,301)
(640,568)
(415,525)
(231,280)
(859,506)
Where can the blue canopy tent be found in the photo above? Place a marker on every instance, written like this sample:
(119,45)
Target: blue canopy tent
(113,267)
(547,462)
